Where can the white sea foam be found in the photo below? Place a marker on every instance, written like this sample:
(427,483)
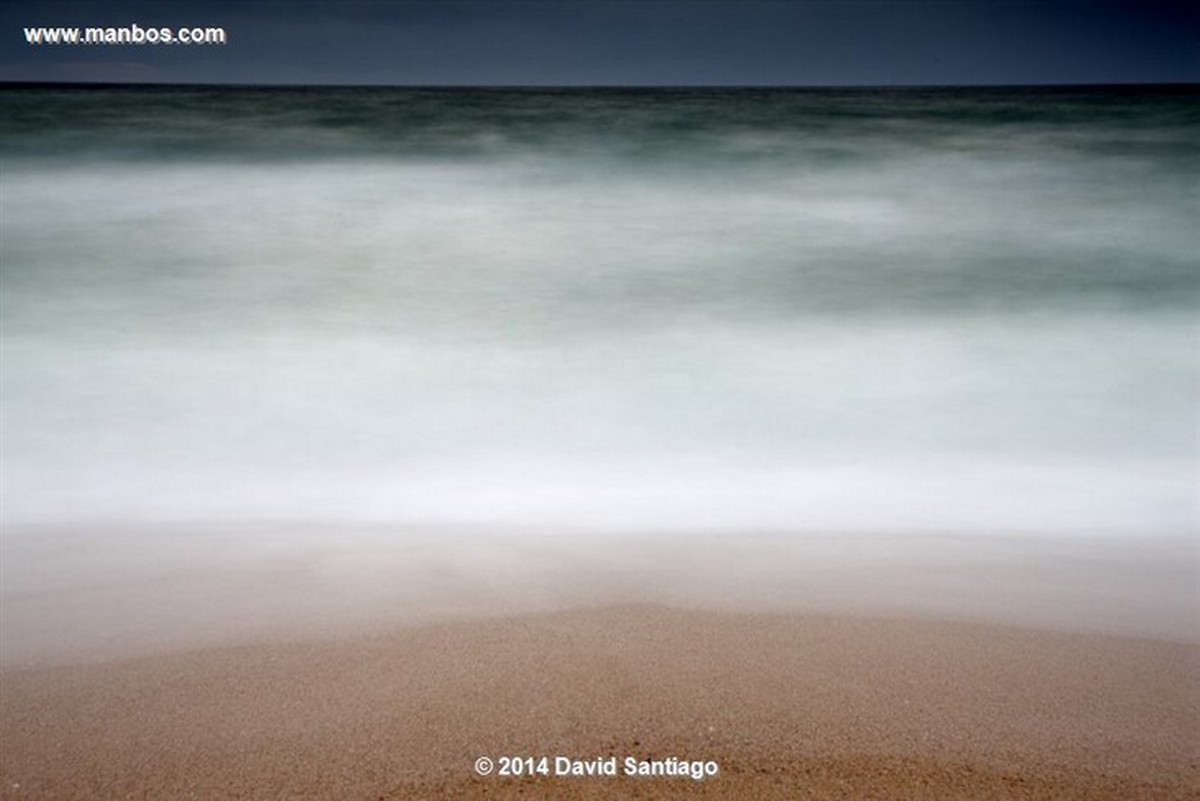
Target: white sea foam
(421,341)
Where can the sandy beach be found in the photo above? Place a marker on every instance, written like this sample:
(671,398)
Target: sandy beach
(785,705)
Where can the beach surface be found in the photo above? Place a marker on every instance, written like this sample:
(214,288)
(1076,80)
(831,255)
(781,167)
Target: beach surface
(811,701)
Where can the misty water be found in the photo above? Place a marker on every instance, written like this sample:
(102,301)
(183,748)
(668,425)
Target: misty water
(388,324)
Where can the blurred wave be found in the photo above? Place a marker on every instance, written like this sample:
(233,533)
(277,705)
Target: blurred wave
(891,309)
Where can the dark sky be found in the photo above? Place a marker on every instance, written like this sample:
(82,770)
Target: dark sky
(623,42)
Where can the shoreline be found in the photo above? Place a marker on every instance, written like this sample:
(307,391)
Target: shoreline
(71,595)
(787,705)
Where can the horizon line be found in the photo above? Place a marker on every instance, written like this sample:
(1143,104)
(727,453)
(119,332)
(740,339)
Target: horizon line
(52,84)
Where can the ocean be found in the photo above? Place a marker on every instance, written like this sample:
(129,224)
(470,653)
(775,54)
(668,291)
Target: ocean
(814,313)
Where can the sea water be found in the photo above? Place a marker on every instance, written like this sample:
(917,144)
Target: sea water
(591,312)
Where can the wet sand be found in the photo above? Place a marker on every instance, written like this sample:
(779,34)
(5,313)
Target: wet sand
(786,705)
